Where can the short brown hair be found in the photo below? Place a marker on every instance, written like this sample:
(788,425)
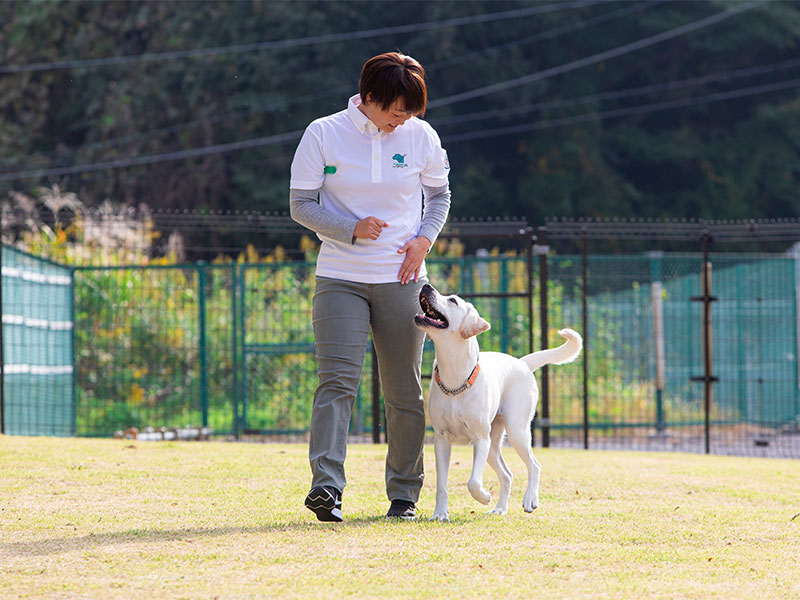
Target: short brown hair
(390,76)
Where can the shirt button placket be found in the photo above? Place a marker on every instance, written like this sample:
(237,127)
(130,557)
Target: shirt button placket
(376,158)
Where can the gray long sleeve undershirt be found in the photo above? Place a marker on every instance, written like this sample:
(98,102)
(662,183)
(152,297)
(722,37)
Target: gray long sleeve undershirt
(304,209)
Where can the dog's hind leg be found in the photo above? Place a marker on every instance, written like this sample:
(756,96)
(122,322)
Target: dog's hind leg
(480,453)
(496,461)
(520,438)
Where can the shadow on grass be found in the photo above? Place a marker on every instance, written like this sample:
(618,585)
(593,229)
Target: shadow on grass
(65,545)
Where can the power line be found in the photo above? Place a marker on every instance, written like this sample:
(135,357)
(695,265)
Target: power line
(480,134)
(297,100)
(614,14)
(186,170)
(614,95)
(296,42)
(269,140)
(152,158)
(619,94)
(493,113)
(623,112)
(179,126)
(590,60)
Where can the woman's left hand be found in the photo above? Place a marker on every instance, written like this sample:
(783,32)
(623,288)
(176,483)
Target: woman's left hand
(415,251)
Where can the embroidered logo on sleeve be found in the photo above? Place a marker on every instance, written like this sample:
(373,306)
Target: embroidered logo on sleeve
(399,161)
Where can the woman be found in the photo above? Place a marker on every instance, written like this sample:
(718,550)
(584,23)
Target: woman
(370,166)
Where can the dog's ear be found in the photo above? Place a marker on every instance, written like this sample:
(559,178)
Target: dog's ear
(473,324)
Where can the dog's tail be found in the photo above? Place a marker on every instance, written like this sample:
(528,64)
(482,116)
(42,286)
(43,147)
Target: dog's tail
(565,353)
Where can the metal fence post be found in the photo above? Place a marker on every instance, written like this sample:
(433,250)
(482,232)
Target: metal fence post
(542,250)
(531,239)
(707,345)
(584,308)
(241,423)
(201,308)
(707,378)
(73,352)
(235,349)
(656,258)
(504,341)
(529,256)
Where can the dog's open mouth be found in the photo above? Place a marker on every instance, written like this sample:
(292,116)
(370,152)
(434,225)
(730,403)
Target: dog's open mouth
(430,316)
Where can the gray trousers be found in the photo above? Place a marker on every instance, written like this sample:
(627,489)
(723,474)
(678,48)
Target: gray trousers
(343,314)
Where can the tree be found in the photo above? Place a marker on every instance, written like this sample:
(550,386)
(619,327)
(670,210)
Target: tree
(577,151)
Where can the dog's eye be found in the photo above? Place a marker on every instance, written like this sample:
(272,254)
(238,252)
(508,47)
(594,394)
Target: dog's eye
(453,300)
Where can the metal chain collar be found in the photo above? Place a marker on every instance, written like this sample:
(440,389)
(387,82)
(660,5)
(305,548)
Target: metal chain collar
(465,386)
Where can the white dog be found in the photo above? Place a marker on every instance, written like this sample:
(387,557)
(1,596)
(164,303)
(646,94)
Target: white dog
(477,396)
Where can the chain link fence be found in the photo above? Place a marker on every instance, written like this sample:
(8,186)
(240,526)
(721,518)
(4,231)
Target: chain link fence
(645,354)
(226,343)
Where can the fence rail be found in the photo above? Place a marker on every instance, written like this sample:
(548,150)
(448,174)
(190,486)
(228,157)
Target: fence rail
(229,345)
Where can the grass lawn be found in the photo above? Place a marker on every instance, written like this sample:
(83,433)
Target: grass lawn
(86,518)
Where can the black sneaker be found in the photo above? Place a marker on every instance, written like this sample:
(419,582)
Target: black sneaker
(402,509)
(326,503)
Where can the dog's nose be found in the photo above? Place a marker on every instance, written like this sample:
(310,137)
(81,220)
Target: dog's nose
(426,288)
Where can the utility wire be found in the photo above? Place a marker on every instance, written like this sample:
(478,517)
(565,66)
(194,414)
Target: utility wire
(618,94)
(623,112)
(188,170)
(590,60)
(152,158)
(614,14)
(493,113)
(480,134)
(564,103)
(269,140)
(297,42)
(110,143)
(341,89)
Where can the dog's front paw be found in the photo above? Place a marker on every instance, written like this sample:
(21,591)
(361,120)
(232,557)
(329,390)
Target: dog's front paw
(478,492)
(440,516)
(499,510)
(530,502)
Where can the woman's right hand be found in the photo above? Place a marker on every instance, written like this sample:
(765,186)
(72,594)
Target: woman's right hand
(369,228)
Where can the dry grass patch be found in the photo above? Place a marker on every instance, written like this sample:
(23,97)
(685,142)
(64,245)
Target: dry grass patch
(118,519)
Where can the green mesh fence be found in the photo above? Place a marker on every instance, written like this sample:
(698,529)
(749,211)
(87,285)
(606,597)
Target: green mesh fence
(154,348)
(277,340)
(640,384)
(755,341)
(230,346)
(38,377)
(479,279)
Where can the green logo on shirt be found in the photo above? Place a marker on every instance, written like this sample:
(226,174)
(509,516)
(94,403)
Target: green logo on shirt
(399,161)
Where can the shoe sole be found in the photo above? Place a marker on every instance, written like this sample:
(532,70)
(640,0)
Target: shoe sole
(404,517)
(398,511)
(322,504)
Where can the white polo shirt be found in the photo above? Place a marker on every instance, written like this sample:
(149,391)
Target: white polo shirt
(362,172)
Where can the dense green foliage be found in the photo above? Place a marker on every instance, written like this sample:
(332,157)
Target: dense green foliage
(721,154)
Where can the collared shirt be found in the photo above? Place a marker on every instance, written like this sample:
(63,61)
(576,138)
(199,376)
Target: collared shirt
(360,172)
